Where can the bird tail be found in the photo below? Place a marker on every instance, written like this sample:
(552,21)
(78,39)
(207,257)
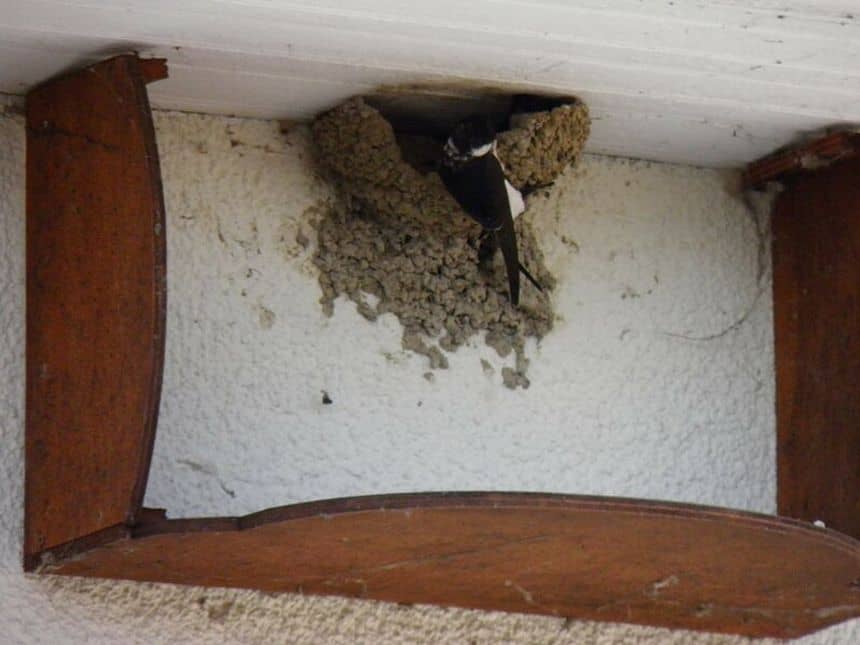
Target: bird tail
(506,238)
(531,278)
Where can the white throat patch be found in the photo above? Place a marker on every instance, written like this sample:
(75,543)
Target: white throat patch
(473,153)
(484,149)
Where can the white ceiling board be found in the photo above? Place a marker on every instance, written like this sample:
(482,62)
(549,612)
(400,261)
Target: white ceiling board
(711,83)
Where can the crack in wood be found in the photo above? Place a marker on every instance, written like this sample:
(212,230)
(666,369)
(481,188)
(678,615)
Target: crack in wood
(455,554)
(48,130)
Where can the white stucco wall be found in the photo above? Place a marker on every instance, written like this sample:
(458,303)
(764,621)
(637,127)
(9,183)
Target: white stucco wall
(648,387)
(657,382)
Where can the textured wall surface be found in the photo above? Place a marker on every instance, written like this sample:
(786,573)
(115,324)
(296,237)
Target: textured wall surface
(657,382)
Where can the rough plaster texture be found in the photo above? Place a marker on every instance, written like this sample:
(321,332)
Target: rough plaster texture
(648,386)
(623,400)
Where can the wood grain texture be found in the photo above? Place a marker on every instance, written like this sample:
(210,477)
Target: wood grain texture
(95,301)
(652,563)
(804,158)
(816,265)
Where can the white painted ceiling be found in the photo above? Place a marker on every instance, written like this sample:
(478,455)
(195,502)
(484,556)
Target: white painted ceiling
(713,83)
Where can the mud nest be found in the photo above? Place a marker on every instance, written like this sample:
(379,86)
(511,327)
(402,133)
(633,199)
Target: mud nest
(397,234)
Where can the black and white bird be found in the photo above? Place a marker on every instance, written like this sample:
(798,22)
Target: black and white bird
(473,174)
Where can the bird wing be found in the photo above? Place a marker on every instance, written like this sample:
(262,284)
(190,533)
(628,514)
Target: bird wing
(475,185)
(480,187)
(497,208)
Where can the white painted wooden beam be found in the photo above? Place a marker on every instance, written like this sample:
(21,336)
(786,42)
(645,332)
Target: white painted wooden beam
(710,83)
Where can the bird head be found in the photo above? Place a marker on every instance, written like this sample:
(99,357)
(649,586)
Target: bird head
(471,138)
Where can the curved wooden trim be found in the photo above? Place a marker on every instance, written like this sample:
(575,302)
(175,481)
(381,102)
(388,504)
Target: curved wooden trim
(144,72)
(654,563)
(157,523)
(96,299)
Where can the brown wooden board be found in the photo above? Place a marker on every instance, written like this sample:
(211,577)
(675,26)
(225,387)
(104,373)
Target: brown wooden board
(652,563)
(816,288)
(807,157)
(95,301)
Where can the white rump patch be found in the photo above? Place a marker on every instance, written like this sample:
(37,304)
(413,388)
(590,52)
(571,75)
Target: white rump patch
(515,199)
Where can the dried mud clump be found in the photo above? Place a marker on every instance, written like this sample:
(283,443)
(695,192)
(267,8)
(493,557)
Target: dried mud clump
(398,235)
(543,144)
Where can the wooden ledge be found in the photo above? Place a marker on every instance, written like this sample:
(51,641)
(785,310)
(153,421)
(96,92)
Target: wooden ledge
(652,563)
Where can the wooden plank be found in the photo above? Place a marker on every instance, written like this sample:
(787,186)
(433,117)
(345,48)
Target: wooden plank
(804,158)
(816,264)
(652,563)
(95,301)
